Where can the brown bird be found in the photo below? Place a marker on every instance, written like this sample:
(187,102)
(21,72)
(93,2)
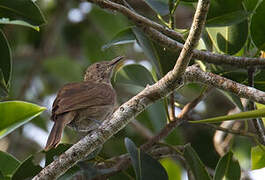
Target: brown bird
(82,105)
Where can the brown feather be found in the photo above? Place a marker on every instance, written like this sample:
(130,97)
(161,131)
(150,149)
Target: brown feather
(76,96)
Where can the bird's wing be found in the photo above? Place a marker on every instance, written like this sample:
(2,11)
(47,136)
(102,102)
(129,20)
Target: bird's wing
(81,95)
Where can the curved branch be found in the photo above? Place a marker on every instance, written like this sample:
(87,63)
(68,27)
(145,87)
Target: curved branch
(122,116)
(205,56)
(137,18)
(166,37)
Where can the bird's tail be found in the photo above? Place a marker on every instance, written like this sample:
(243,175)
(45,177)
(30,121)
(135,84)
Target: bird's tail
(55,135)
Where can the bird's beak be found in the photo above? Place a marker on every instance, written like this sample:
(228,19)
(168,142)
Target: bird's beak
(116,60)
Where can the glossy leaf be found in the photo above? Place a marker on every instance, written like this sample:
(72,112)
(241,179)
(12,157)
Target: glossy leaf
(227,168)
(229,39)
(159,6)
(5,65)
(18,22)
(238,116)
(134,74)
(257,157)
(123,37)
(14,114)
(162,58)
(197,167)
(257,26)
(25,10)
(227,19)
(27,169)
(145,166)
(234,99)
(8,164)
(173,169)
(225,12)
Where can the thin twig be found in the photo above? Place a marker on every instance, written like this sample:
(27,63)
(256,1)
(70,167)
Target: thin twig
(238,132)
(257,122)
(136,18)
(171,109)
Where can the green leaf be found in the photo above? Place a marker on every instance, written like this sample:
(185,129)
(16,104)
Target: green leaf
(134,74)
(162,58)
(123,37)
(234,99)
(197,167)
(5,65)
(257,26)
(18,22)
(14,114)
(159,6)
(27,169)
(25,10)
(145,166)
(172,167)
(250,5)
(227,19)
(238,116)
(229,39)
(227,168)
(260,80)
(225,12)
(257,157)
(9,166)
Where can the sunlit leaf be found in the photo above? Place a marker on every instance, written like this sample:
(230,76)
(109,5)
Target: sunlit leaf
(257,157)
(18,22)
(238,116)
(14,114)
(173,169)
(229,39)
(25,10)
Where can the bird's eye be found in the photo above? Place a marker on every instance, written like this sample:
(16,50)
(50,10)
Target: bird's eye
(97,65)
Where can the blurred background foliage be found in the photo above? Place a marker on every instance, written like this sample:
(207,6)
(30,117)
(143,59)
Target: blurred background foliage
(75,34)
